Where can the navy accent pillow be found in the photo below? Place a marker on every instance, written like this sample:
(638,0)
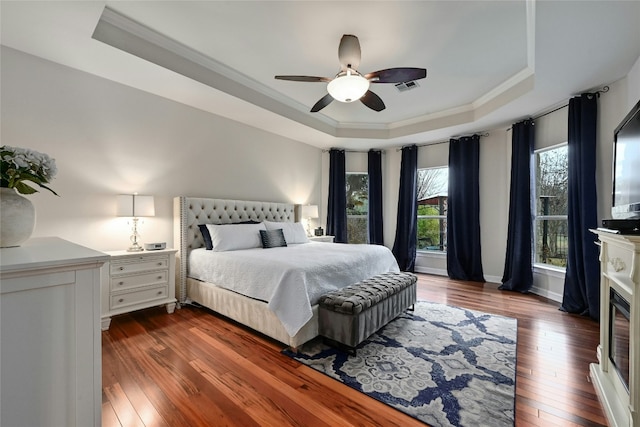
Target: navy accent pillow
(272,238)
(206,236)
(208,244)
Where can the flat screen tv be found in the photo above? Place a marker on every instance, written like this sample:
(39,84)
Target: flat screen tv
(626,167)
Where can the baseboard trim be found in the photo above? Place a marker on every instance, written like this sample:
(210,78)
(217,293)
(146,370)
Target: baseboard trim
(434,271)
(554,296)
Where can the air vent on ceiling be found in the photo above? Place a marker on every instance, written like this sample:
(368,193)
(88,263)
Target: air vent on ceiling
(405,86)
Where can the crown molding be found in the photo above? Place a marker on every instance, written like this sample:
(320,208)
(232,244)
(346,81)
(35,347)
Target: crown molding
(132,37)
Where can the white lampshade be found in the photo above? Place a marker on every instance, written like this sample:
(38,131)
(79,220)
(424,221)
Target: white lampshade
(348,86)
(133,205)
(309,211)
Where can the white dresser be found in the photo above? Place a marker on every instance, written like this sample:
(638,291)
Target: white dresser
(50,366)
(136,280)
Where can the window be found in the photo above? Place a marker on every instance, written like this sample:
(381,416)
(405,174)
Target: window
(432,209)
(357,207)
(550,225)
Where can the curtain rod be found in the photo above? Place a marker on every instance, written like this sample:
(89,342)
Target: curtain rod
(604,89)
(426,144)
(356,151)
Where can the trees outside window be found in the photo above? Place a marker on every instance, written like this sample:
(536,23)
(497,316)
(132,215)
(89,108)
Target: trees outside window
(357,188)
(432,189)
(550,224)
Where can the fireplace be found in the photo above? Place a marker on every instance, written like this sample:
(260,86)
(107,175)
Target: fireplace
(619,311)
(616,376)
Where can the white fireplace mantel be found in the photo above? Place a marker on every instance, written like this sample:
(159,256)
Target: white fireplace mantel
(620,270)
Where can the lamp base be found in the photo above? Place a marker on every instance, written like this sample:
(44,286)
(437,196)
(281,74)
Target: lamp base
(135,247)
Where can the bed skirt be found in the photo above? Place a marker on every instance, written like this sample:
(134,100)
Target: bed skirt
(250,312)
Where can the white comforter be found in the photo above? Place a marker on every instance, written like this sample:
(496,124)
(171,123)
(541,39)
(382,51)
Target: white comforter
(291,279)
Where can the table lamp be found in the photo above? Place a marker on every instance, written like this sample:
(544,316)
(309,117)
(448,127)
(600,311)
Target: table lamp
(135,206)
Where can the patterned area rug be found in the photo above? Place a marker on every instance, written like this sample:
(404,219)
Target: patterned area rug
(443,365)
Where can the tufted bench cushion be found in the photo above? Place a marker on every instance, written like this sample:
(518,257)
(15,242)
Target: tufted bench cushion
(351,314)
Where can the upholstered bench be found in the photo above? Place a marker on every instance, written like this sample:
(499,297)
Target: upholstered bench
(350,315)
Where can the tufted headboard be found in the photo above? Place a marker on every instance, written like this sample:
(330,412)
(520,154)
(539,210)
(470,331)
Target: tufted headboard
(189,212)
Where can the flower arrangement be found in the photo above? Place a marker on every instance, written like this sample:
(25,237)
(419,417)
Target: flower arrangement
(21,164)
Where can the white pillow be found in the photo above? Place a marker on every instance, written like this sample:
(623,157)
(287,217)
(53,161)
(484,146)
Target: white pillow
(233,237)
(293,231)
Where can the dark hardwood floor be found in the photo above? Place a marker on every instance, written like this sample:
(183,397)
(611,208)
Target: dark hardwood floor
(194,368)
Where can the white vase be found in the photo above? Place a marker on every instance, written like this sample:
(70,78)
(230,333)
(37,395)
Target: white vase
(17,218)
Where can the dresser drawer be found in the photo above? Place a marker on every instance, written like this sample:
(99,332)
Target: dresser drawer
(119,283)
(139,297)
(139,264)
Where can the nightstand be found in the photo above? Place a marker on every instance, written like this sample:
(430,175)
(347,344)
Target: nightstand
(328,239)
(136,280)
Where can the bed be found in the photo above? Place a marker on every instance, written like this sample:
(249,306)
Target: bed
(270,303)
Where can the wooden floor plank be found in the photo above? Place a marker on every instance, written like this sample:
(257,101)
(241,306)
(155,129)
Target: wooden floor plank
(123,409)
(197,368)
(109,417)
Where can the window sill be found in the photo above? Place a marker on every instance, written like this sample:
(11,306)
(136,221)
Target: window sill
(431,254)
(548,270)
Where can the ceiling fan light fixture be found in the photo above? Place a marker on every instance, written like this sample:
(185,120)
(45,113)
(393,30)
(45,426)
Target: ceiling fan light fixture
(348,86)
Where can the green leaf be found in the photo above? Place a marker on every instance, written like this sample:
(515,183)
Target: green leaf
(23,188)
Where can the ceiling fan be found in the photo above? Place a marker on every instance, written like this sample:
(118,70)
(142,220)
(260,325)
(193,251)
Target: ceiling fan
(349,85)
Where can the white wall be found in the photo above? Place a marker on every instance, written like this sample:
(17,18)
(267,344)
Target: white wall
(110,139)
(493,195)
(613,106)
(358,162)
(494,199)
(495,164)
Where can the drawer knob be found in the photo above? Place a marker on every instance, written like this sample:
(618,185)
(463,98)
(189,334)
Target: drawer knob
(159,277)
(160,263)
(121,300)
(121,268)
(120,283)
(159,292)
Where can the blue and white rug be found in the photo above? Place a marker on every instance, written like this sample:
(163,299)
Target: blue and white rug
(443,365)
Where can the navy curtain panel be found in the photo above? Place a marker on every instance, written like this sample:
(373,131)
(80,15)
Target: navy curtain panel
(518,268)
(337,203)
(582,279)
(404,246)
(464,261)
(375,197)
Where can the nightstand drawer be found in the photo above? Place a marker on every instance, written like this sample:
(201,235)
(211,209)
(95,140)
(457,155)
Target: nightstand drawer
(138,297)
(136,280)
(119,283)
(141,264)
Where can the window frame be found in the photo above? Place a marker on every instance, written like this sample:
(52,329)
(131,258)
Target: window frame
(538,218)
(364,216)
(438,217)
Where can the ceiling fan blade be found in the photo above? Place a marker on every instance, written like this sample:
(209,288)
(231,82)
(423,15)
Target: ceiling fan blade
(372,101)
(324,101)
(349,52)
(396,75)
(304,78)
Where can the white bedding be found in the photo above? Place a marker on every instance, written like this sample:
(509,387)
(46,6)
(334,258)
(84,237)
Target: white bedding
(291,279)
